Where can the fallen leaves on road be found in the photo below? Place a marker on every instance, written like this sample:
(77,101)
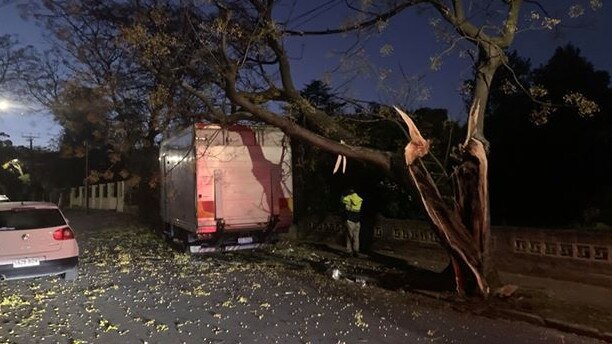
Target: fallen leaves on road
(13,301)
(107,326)
(133,287)
(359,319)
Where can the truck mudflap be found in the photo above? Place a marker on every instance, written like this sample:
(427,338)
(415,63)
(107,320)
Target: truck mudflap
(228,248)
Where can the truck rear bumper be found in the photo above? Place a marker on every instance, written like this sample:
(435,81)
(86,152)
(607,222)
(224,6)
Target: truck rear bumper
(228,248)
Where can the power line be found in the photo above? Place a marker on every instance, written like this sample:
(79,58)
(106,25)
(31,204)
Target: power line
(315,12)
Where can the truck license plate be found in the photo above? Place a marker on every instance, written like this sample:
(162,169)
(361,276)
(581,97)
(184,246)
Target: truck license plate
(25,262)
(245,240)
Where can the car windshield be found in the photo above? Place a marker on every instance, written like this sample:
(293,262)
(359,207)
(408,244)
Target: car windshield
(24,218)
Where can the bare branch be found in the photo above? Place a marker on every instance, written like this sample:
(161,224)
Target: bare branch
(539,5)
(358,26)
(216,112)
(510,25)
(458,7)
(462,26)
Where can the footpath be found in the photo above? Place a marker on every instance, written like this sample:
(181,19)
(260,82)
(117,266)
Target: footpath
(567,306)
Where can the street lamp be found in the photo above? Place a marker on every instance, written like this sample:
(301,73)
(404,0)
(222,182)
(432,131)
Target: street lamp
(5,105)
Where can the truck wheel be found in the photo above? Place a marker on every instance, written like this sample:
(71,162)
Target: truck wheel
(189,240)
(184,246)
(168,233)
(71,275)
(161,231)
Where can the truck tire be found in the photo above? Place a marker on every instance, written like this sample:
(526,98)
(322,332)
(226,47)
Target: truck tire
(160,231)
(189,241)
(178,239)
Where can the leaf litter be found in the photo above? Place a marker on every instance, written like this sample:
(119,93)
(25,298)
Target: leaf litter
(133,284)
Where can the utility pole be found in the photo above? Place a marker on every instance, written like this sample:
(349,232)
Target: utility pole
(30,138)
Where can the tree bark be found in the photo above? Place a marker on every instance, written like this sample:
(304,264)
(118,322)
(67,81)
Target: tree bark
(455,236)
(473,201)
(464,228)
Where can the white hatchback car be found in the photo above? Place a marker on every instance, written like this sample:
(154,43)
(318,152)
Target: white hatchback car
(35,240)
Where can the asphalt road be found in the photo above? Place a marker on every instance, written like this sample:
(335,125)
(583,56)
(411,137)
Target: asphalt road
(133,288)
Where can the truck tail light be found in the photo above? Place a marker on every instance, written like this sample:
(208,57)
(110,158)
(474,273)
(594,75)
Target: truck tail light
(206,209)
(64,233)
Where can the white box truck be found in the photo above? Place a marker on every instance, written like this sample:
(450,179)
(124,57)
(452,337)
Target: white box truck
(226,189)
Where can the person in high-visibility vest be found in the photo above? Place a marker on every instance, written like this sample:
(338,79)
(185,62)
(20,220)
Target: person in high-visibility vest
(352,206)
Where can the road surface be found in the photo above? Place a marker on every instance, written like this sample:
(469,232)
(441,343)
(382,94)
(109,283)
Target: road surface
(133,288)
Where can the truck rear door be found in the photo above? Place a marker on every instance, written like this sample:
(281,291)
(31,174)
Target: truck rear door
(243,194)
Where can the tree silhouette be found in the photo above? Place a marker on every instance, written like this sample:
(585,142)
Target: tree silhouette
(556,174)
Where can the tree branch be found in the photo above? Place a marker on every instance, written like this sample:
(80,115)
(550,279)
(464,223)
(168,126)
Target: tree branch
(510,26)
(358,26)
(378,158)
(216,113)
(458,7)
(462,26)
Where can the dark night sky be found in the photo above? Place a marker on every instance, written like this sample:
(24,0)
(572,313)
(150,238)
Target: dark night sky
(413,44)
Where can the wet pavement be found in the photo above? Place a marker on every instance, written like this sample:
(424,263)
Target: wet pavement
(134,288)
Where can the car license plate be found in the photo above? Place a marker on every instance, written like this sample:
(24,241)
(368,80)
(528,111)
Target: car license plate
(25,262)
(245,240)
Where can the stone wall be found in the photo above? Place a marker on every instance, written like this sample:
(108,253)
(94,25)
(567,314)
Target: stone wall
(576,255)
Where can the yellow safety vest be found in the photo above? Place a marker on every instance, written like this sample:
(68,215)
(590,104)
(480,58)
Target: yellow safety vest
(352,202)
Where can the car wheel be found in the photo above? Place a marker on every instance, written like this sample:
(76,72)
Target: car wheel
(71,275)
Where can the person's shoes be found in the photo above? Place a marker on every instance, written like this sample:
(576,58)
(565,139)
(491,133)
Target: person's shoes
(355,254)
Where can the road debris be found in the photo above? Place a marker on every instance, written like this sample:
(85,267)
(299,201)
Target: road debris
(506,291)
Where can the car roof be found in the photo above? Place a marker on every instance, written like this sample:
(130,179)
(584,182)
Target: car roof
(37,205)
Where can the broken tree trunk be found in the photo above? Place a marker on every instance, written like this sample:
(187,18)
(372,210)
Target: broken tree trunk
(464,229)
